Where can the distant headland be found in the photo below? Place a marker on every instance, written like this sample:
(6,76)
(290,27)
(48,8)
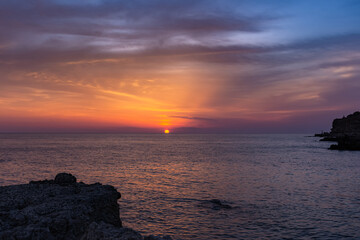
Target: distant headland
(345,131)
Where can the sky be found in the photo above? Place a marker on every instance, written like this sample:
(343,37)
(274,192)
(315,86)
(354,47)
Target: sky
(201,66)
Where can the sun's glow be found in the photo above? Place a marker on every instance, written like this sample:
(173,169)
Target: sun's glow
(166,131)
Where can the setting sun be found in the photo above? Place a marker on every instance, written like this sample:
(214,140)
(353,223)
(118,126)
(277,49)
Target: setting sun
(166,131)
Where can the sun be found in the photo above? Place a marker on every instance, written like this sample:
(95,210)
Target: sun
(166,131)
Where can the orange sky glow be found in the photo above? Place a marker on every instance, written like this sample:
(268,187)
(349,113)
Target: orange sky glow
(231,68)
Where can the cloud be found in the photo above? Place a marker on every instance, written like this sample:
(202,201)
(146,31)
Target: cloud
(194,118)
(139,21)
(183,63)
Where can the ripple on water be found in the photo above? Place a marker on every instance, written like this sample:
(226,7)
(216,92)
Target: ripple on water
(277,186)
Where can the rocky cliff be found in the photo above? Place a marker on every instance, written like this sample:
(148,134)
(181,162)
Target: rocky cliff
(346,132)
(347,126)
(62,209)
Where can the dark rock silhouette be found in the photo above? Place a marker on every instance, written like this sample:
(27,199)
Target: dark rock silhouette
(217,204)
(152,237)
(347,126)
(322,134)
(105,231)
(65,179)
(214,204)
(346,132)
(346,143)
(61,209)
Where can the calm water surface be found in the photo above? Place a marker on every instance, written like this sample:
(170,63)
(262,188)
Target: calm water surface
(279,186)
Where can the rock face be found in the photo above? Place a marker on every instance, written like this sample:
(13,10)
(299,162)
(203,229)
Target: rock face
(61,209)
(105,231)
(346,132)
(65,179)
(347,126)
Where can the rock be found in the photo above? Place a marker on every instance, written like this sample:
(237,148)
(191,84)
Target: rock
(328,139)
(65,179)
(61,209)
(346,126)
(216,201)
(219,205)
(346,143)
(215,204)
(322,134)
(152,237)
(346,132)
(55,211)
(105,231)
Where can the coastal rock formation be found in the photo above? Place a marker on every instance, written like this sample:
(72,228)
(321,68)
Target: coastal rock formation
(105,231)
(347,126)
(215,204)
(346,143)
(346,132)
(61,209)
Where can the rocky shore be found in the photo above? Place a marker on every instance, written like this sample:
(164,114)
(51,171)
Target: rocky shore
(63,209)
(345,131)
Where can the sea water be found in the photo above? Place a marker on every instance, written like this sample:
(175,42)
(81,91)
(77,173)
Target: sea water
(269,186)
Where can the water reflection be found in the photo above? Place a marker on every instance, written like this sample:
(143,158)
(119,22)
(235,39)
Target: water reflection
(277,185)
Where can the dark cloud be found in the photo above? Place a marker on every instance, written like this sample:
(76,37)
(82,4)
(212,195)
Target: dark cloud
(194,118)
(51,32)
(153,19)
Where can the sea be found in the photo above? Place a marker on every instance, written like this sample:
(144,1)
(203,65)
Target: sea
(205,186)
